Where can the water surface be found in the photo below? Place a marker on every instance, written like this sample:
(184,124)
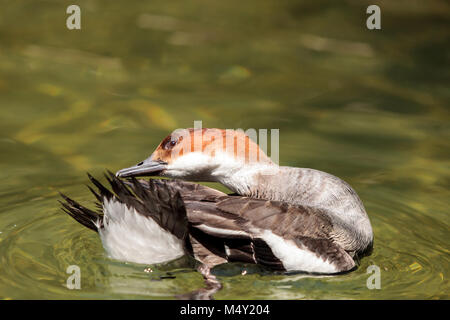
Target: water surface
(368,106)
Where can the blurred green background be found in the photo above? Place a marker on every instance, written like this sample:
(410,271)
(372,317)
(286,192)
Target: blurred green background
(371,107)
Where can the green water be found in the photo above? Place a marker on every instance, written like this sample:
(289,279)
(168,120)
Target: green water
(368,106)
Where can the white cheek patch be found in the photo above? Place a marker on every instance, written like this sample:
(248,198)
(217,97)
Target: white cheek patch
(201,164)
(191,161)
(129,236)
(191,165)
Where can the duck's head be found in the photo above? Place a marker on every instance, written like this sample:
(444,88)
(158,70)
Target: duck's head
(200,155)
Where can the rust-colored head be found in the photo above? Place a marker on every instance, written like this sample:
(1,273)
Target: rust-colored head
(209,142)
(193,153)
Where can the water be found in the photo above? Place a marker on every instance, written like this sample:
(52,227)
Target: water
(368,106)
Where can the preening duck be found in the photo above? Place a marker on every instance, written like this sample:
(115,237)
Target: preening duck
(284,218)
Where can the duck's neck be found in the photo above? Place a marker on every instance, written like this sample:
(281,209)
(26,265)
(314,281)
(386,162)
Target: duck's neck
(292,185)
(256,181)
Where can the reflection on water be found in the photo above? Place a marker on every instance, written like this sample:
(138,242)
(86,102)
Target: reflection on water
(368,106)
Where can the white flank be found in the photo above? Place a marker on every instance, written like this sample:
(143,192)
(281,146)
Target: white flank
(295,258)
(129,236)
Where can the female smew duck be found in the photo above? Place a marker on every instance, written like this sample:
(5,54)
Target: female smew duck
(284,218)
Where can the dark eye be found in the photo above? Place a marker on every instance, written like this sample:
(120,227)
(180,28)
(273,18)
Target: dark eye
(170,144)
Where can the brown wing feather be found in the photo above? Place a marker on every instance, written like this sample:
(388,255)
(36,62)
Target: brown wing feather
(229,221)
(282,219)
(309,227)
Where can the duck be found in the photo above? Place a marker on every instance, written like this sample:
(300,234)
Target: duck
(286,219)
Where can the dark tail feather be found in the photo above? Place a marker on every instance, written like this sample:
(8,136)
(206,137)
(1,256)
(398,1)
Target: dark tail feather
(158,201)
(80,213)
(103,191)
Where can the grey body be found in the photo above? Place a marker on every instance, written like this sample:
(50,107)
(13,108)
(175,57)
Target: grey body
(332,196)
